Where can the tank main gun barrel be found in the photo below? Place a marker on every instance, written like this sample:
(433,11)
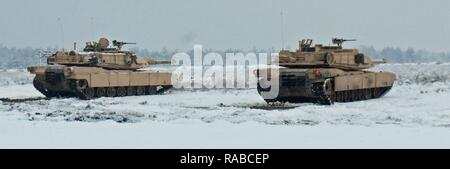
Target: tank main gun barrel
(158,62)
(382,61)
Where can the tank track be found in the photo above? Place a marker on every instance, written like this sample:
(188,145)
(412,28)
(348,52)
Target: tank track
(325,94)
(361,94)
(87,93)
(92,93)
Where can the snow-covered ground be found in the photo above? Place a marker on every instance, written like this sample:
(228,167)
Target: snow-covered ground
(415,114)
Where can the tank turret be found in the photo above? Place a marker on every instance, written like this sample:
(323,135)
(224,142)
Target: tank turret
(100,54)
(334,56)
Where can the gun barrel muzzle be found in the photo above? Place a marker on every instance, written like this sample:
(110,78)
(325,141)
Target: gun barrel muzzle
(379,61)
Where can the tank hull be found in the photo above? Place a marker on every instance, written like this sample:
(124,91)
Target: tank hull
(328,85)
(93,82)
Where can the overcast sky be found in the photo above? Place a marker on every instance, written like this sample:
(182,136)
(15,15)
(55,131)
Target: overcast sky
(178,24)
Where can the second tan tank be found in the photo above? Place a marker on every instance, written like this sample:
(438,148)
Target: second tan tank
(99,71)
(325,74)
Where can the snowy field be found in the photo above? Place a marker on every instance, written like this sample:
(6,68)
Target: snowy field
(415,114)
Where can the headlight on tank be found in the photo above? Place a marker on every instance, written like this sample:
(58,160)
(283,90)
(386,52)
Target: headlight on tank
(317,73)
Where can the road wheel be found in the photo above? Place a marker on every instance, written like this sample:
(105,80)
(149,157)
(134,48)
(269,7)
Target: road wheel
(88,93)
(140,90)
(131,91)
(341,96)
(121,91)
(367,94)
(355,95)
(360,94)
(111,92)
(100,92)
(348,96)
(151,90)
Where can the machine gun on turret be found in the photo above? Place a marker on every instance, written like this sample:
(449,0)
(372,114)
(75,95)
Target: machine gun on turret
(119,45)
(340,41)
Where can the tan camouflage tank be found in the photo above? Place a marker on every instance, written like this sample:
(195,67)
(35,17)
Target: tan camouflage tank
(326,74)
(99,71)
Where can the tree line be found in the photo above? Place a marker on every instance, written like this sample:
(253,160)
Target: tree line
(17,58)
(410,55)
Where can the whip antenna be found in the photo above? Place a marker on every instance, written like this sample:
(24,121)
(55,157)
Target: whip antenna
(62,32)
(282,29)
(92,28)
